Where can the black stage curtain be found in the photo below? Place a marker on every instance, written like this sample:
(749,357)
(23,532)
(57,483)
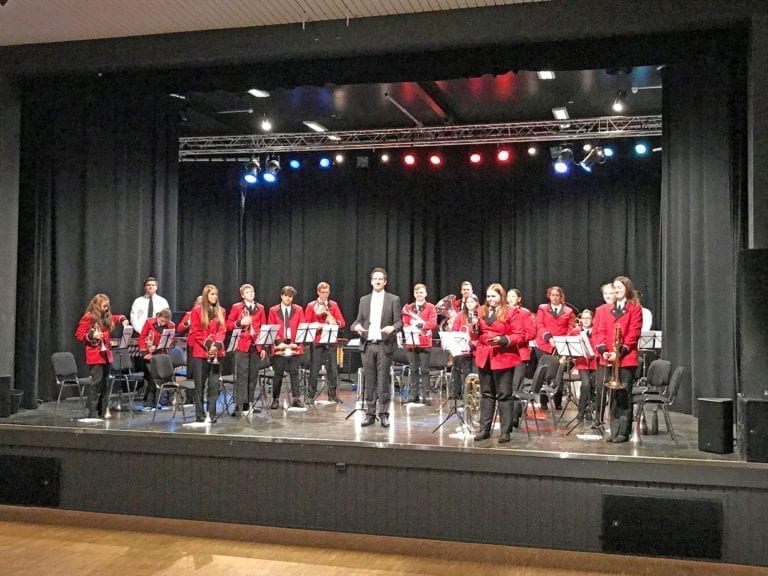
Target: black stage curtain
(703,198)
(519,225)
(98,213)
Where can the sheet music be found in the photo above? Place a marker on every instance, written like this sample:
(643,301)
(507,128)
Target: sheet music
(573,346)
(125,340)
(649,340)
(457,343)
(233,339)
(329,334)
(267,334)
(166,338)
(412,335)
(305,333)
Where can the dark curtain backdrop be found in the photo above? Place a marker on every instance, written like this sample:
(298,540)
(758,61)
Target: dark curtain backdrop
(519,224)
(98,207)
(703,197)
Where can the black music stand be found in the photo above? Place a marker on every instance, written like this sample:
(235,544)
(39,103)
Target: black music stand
(234,339)
(576,346)
(649,341)
(305,334)
(456,344)
(328,336)
(267,336)
(360,396)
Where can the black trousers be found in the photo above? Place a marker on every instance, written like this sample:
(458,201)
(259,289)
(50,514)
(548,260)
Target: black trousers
(206,374)
(496,387)
(376,364)
(418,367)
(462,367)
(620,407)
(323,355)
(587,390)
(247,384)
(281,365)
(97,391)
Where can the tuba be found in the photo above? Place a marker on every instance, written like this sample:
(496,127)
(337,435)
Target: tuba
(472,400)
(615,382)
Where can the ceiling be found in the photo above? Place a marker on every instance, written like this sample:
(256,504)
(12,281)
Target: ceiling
(510,97)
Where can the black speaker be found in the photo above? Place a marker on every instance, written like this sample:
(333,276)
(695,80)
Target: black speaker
(5,396)
(662,526)
(715,425)
(753,428)
(752,320)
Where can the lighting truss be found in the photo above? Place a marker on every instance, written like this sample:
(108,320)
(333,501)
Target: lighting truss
(222,148)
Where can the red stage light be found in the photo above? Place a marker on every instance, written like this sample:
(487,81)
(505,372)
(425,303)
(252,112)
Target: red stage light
(503,155)
(435,160)
(475,158)
(409,159)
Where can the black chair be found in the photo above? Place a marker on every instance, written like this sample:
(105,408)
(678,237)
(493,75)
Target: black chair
(122,376)
(164,379)
(528,396)
(662,398)
(438,369)
(65,369)
(553,380)
(656,378)
(181,371)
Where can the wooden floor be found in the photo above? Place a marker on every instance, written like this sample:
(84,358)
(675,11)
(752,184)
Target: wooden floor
(41,542)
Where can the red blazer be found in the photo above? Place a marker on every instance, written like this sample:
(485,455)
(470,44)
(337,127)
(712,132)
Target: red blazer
(248,336)
(428,315)
(529,330)
(311,317)
(547,324)
(584,363)
(152,332)
(198,334)
(186,321)
(276,317)
(500,357)
(93,348)
(631,322)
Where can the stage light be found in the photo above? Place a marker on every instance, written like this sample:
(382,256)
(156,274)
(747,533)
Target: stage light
(563,162)
(560,113)
(587,147)
(595,156)
(475,158)
(266,125)
(294,164)
(435,160)
(607,151)
(409,159)
(641,149)
(316,126)
(252,169)
(503,155)
(269,177)
(384,158)
(532,150)
(256,93)
(270,174)
(339,158)
(324,162)
(618,103)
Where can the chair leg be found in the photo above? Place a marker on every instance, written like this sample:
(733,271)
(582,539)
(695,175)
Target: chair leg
(668,420)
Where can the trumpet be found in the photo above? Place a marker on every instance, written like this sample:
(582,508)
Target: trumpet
(247,314)
(212,350)
(97,334)
(615,382)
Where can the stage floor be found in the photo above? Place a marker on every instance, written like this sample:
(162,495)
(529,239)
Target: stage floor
(412,426)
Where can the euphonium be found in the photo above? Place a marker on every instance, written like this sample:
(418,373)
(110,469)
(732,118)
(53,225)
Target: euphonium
(615,382)
(472,399)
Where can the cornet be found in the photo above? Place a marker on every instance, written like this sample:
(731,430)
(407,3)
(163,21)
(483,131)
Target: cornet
(212,356)
(97,334)
(247,314)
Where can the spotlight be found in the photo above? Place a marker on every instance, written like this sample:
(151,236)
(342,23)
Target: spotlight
(563,161)
(641,149)
(324,162)
(608,151)
(587,147)
(339,158)
(252,169)
(266,125)
(618,103)
(294,164)
(270,174)
(595,156)
(409,159)
(532,150)
(475,158)
(435,160)
(384,158)
(503,155)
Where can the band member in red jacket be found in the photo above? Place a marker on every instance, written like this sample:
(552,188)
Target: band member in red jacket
(419,319)
(183,326)
(585,365)
(515,300)
(93,330)
(206,340)
(323,312)
(466,321)
(150,336)
(496,356)
(616,333)
(602,373)
(286,352)
(553,319)
(247,315)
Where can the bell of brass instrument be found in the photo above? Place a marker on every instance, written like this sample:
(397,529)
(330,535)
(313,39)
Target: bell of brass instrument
(212,358)
(472,400)
(615,382)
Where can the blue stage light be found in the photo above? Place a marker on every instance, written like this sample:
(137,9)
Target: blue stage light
(294,164)
(325,162)
(269,177)
(608,152)
(641,149)
(250,178)
(561,167)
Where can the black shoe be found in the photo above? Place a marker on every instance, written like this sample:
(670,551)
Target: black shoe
(369,420)
(297,403)
(275,404)
(384,420)
(335,399)
(427,402)
(484,435)
(515,423)
(620,438)
(558,407)
(504,438)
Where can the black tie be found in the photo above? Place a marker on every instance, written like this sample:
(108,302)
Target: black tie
(285,322)
(150,308)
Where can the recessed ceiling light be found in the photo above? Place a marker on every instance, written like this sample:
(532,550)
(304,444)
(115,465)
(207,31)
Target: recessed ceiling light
(560,113)
(256,93)
(545,75)
(312,125)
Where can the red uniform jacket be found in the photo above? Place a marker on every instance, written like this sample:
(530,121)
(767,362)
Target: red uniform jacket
(582,362)
(529,328)
(93,348)
(428,316)
(296,318)
(151,333)
(311,317)
(248,334)
(631,321)
(547,325)
(198,335)
(500,357)
(186,321)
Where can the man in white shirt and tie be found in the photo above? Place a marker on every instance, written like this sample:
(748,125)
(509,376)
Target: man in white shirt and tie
(146,306)
(378,321)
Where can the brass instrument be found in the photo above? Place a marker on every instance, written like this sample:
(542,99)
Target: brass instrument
(615,382)
(245,314)
(97,333)
(472,400)
(212,356)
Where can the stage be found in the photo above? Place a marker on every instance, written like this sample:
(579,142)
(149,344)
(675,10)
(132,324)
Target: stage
(314,468)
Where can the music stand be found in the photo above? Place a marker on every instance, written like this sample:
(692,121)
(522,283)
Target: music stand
(166,339)
(649,341)
(125,339)
(328,336)
(575,346)
(412,334)
(360,396)
(231,399)
(305,334)
(456,344)
(267,336)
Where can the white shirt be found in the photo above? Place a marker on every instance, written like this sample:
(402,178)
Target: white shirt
(377,306)
(140,307)
(286,311)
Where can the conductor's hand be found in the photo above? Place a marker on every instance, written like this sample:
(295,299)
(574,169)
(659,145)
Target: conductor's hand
(387,330)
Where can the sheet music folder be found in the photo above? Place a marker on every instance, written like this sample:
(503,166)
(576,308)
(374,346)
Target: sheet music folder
(576,346)
(649,340)
(267,334)
(329,334)
(305,333)
(457,343)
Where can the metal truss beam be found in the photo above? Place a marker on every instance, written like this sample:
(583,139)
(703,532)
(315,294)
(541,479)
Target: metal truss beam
(223,147)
